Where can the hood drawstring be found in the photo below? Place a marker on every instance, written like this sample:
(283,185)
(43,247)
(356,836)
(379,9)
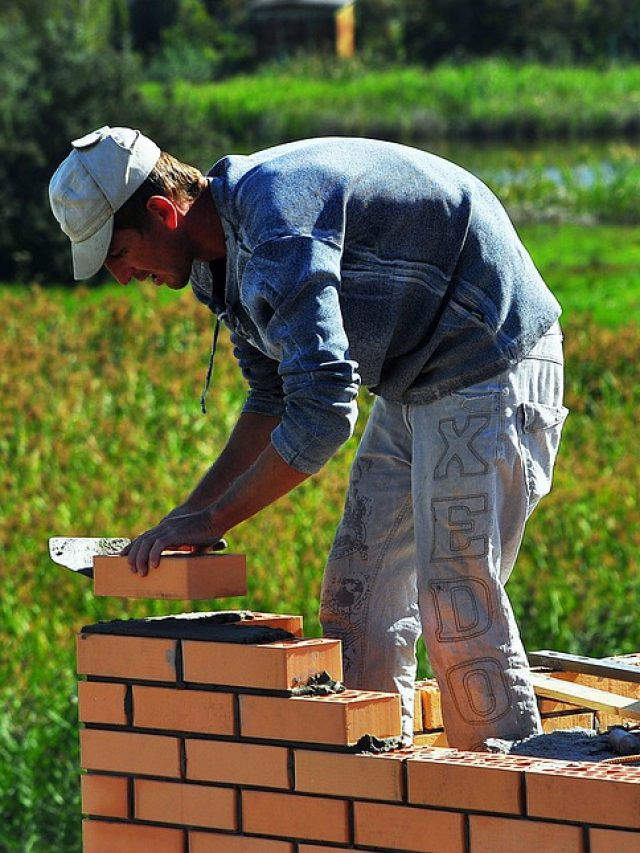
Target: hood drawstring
(207,380)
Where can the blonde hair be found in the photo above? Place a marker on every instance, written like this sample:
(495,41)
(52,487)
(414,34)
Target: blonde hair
(178,181)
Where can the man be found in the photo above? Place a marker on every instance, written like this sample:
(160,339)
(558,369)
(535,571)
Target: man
(335,263)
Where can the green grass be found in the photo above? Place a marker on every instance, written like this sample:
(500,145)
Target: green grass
(593,271)
(488,99)
(101,432)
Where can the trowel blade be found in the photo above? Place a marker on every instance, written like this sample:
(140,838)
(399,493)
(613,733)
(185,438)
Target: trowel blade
(77,552)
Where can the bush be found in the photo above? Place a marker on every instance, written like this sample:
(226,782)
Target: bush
(55,87)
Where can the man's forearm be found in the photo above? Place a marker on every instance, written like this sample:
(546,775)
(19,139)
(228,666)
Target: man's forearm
(254,478)
(268,479)
(250,437)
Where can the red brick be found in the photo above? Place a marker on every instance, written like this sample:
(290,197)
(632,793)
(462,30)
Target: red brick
(99,836)
(375,777)
(178,576)
(296,816)
(102,702)
(287,622)
(408,828)
(341,718)
(467,781)
(589,793)
(568,721)
(319,848)
(549,707)
(431,739)
(108,655)
(183,710)
(107,796)
(431,709)
(611,685)
(613,841)
(417,712)
(489,834)
(129,752)
(266,666)
(191,805)
(237,763)
(214,842)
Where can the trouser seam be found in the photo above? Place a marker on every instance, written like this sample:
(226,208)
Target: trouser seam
(400,517)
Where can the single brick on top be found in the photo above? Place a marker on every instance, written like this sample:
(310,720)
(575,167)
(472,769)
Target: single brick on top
(178,576)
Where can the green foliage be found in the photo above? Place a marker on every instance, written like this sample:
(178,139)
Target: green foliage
(485,100)
(98,23)
(595,272)
(559,31)
(102,428)
(149,19)
(82,88)
(192,40)
(188,52)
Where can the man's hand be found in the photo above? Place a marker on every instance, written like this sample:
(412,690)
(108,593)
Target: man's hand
(174,532)
(248,476)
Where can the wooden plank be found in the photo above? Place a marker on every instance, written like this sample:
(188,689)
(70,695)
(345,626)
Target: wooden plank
(585,697)
(604,668)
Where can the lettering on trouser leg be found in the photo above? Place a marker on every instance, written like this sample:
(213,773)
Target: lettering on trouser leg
(352,534)
(463,608)
(479,690)
(459,450)
(458,527)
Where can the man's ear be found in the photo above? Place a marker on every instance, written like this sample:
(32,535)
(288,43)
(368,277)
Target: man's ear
(164,209)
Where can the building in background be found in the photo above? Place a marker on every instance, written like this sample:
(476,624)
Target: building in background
(284,27)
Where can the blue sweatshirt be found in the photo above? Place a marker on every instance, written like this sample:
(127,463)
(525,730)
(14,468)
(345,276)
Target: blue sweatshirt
(359,261)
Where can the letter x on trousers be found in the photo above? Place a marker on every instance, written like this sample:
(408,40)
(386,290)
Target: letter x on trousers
(438,498)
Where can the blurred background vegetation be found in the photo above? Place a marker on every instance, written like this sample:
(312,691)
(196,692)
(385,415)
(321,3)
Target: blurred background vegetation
(168,67)
(100,429)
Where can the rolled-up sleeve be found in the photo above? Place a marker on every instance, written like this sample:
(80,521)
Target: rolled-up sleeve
(266,396)
(291,290)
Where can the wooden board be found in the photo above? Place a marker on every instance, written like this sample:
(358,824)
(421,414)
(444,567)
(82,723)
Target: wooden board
(604,668)
(585,697)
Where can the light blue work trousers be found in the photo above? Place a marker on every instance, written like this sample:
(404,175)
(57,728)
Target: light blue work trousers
(438,499)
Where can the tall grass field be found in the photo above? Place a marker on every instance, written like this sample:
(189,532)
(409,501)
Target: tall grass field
(486,99)
(101,434)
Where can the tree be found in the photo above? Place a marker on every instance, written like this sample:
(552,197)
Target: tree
(55,86)
(204,41)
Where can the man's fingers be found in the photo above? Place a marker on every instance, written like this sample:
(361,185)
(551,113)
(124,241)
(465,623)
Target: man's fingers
(155,554)
(142,556)
(181,534)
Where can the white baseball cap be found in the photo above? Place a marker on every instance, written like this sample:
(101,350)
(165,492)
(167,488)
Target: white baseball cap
(102,172)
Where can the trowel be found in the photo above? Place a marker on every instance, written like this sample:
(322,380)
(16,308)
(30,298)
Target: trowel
(77,552)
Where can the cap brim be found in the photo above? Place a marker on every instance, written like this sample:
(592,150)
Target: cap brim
(89,255)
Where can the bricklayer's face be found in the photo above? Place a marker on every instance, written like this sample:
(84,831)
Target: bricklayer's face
(161,252)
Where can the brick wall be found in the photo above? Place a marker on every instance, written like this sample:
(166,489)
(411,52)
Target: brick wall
(191,745)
